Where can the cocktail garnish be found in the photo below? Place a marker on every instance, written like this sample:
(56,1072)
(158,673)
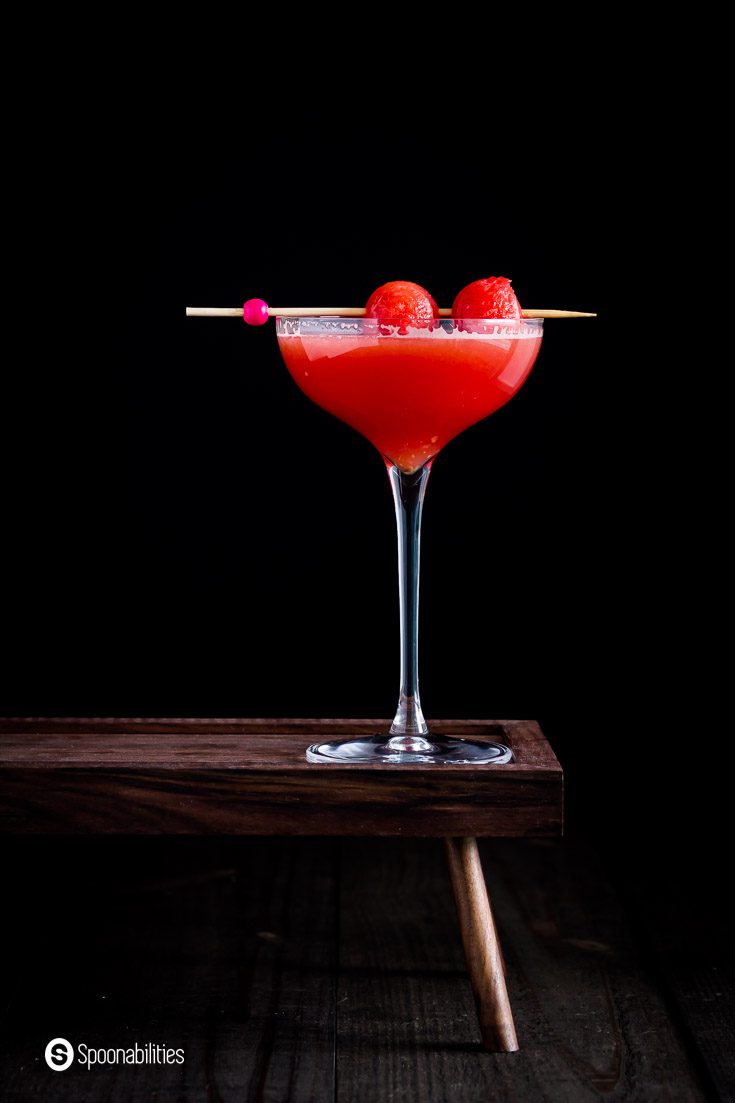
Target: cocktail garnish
(490,298)
(402,304)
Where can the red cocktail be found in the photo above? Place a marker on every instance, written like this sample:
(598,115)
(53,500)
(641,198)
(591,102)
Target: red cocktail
(409,390)
(409,393)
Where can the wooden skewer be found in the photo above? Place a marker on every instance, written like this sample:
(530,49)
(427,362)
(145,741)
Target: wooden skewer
(348,312)
(555,314)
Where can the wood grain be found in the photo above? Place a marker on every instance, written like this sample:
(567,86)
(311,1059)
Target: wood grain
(683,913)
(592,1022)
(481,946)
(226,948)
(235,949)
(207,776)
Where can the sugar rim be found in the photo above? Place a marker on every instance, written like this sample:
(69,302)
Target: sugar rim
(342,326)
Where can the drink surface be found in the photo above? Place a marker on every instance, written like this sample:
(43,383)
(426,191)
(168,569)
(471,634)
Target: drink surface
(410,393)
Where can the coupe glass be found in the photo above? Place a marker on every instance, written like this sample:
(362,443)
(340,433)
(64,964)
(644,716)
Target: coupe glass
(409,391)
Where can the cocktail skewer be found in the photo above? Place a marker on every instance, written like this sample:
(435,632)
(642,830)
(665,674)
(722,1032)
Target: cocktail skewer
(256,312)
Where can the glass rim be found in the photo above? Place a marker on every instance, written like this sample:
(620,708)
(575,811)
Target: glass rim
(366,318)
(287,323)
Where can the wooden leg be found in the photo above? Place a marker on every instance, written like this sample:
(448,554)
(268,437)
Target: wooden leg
(481,946)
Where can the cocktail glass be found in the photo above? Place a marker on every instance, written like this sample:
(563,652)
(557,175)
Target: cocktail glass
(409,391)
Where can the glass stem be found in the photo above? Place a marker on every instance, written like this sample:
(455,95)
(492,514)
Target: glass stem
(408,494)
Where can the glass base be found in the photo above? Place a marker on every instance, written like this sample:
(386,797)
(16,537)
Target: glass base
(438,750)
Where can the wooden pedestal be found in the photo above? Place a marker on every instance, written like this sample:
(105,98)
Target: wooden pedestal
(251,777)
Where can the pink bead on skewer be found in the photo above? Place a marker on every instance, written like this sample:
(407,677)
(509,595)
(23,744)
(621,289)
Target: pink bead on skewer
(255,312)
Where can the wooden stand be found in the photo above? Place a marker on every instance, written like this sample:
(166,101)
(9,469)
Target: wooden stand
(250,777)
(481,946)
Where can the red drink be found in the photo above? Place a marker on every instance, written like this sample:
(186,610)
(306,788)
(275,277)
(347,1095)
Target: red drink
(409,388)
(410,393)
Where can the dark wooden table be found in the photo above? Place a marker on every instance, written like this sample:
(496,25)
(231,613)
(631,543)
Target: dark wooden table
(320,968)
(317,969)
(246,777)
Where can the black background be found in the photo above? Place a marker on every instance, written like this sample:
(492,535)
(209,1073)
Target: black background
(188,535)
(185,534)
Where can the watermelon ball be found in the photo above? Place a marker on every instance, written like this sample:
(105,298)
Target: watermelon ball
(401,303)
(490,298)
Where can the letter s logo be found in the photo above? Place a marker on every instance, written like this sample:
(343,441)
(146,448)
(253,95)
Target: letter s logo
(59,1054)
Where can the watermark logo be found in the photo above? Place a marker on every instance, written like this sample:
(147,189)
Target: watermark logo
(59,1054)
